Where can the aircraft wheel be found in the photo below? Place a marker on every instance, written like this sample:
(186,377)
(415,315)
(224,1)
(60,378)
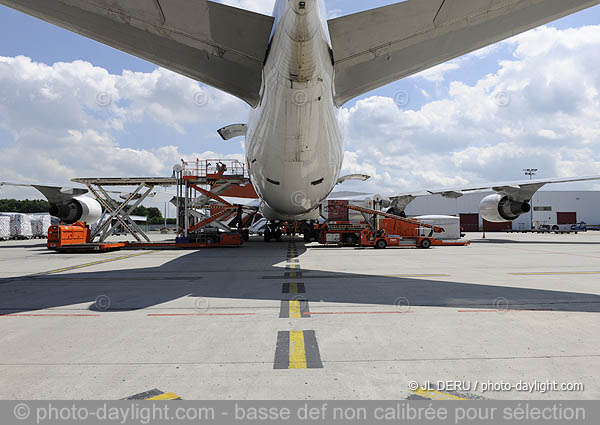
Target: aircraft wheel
(425,244)
(246,235)
(267,234)
(349,240)
(380,244)
(278,235)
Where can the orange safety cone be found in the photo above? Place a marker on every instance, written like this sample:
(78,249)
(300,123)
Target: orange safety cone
(483,233)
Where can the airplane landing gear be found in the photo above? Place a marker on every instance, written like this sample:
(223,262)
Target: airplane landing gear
(273,231)
(307,229)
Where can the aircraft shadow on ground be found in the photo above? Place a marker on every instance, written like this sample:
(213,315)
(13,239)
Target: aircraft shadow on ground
(37,245)
(257,273)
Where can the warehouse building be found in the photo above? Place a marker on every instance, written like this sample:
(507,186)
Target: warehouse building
(549,208)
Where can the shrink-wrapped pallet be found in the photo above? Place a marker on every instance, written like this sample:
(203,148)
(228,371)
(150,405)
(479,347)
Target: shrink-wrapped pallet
(4,227)
(40,225)
(20,225)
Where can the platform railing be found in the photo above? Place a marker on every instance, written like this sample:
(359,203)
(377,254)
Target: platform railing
(213,167)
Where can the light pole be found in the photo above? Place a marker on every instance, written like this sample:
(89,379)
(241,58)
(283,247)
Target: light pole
(531,172)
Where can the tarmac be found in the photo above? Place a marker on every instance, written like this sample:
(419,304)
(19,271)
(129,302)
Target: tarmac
(292,320)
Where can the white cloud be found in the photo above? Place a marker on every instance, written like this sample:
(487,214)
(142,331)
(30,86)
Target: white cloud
(334,13)
(74,120)
(436,73)
(259,6)
(540,109)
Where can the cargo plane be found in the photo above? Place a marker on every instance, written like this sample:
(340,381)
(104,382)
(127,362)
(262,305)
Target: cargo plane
(296,69)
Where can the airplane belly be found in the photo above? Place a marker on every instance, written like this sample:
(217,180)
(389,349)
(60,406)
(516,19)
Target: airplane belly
(295,154)
(294,144)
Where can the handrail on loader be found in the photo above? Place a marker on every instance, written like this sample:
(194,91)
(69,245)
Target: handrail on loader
(436,229)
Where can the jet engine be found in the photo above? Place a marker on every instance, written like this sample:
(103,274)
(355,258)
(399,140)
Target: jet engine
(381,201)
(498,208)
(79,208)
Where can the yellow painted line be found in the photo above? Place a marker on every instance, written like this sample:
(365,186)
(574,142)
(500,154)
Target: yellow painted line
(436,395)
(167,396)
(297,350)
(295,310)
(95,263)
(292,266)
(552,273)
(293,288)
(293,274)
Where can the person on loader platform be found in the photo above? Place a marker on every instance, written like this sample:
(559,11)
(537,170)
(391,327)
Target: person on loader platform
(221,168)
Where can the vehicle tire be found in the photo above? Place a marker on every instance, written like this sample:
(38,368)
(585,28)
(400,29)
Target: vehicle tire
(349,240)
(425,244)
(306,237)
(210,240)
(278,235)
(267,235)
(246,235)
(380,244)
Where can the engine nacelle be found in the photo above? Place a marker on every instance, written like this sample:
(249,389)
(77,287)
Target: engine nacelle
(397,212)
(80,208)
(499,208)
(381,201)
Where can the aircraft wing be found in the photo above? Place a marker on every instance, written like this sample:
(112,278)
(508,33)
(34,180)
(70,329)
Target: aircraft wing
(379,46)
(54,194)
(219,45)
(521,191)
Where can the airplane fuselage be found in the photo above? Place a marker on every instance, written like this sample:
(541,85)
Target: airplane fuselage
(294,145)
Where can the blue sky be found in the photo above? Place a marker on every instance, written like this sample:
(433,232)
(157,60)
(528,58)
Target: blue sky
(375,150)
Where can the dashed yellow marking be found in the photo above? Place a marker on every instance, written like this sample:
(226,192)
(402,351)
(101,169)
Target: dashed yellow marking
(293,288)
(295,312)
(95,263)
(292,266)
(167,396)
(436,395)
(297,350)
